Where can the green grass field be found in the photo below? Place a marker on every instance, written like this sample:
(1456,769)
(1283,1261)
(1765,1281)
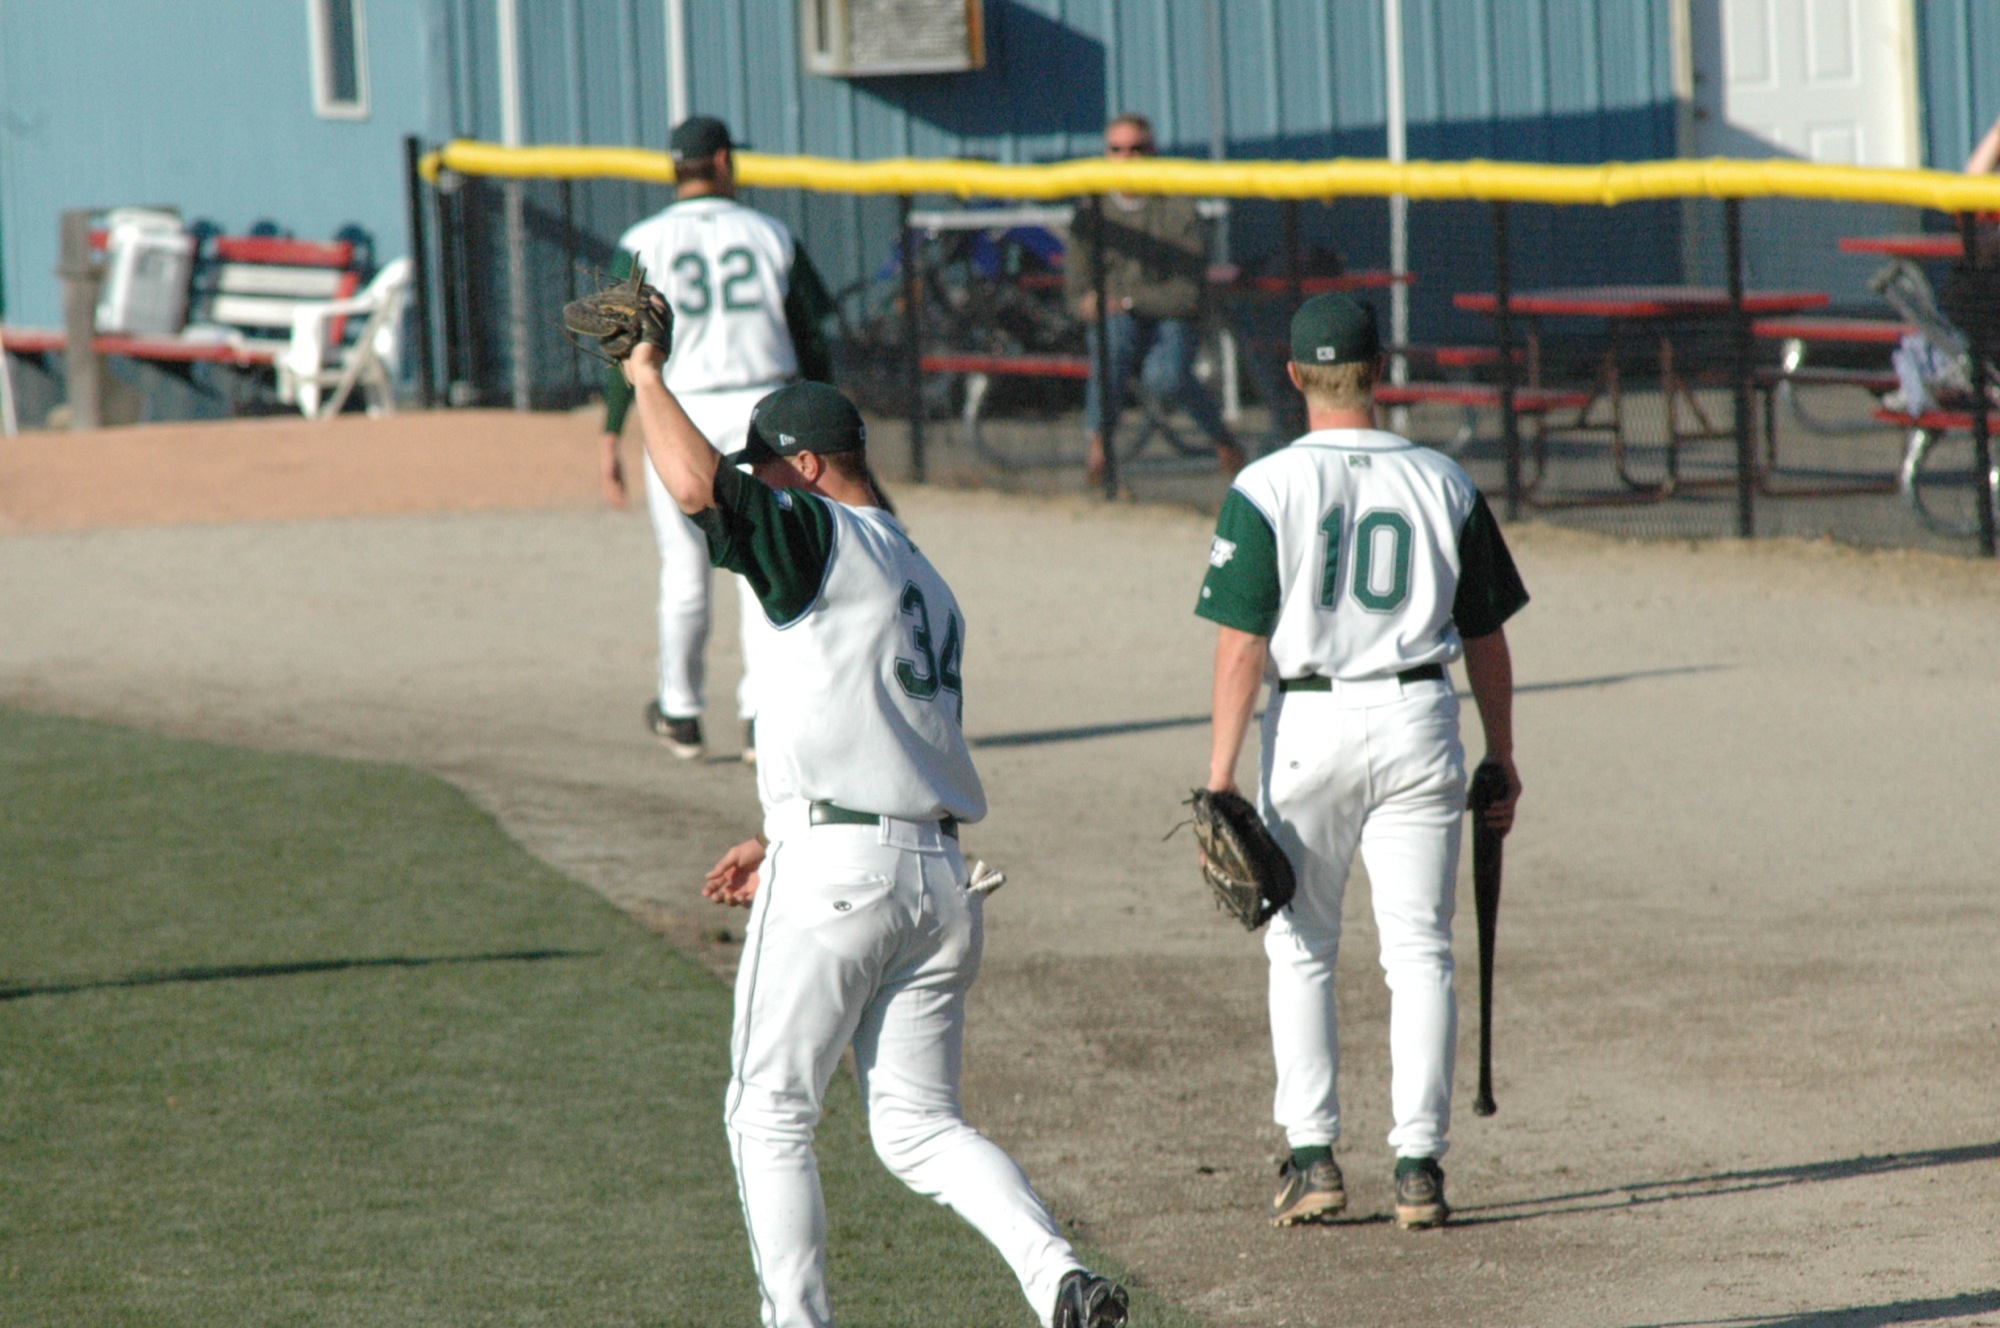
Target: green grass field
(286,1040)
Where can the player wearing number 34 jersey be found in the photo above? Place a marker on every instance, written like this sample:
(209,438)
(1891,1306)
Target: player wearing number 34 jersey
(1350,568)
(865,930)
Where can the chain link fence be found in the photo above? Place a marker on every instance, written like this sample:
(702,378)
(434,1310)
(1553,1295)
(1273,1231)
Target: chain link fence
(1673,367)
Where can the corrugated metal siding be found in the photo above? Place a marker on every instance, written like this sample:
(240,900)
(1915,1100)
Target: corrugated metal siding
(206,107)
(1537,81)
(1959,69)
(1534,79)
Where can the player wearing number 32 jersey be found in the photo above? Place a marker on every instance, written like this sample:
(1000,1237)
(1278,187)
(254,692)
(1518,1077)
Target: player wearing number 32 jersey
(1350,568)
(747,306)
(863,930)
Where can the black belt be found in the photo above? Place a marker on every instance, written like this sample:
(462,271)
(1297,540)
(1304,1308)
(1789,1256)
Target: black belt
(832,813)
(1314,683)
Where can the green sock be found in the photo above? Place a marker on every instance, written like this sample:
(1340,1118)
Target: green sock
(1305,1157)
(1405,1165)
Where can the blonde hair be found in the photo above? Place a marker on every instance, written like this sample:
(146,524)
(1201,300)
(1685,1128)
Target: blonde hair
(1348,386)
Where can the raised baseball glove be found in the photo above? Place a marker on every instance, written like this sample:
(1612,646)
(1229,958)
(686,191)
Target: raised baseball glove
(1251,876)
(619,317)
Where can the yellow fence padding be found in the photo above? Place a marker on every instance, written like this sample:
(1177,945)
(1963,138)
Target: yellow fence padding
(1520,182)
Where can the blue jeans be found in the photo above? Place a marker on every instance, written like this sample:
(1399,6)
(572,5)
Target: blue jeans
(1163,348)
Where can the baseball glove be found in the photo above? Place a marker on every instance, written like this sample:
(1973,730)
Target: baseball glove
(619,317)
(1251,876)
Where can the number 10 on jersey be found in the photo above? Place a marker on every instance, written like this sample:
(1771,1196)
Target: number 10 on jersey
(1380,541)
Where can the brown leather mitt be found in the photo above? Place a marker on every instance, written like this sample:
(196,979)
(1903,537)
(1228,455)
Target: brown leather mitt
(619,317)
(1251,876)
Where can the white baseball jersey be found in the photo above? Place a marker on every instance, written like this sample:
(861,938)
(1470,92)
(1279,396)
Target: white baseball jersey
(726,270)
(861,935)
(1360,555)
(865,704)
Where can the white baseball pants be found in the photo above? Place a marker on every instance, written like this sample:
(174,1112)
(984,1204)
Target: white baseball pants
(865,935)
(1376,766)
(724,419)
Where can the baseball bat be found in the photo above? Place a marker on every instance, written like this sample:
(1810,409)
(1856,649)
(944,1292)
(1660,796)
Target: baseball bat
(1489,785)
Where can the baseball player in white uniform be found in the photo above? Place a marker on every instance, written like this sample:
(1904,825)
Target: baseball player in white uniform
(1349,569)
(747,306)
(864,927)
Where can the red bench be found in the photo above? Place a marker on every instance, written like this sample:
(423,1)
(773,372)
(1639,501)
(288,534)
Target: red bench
(244,302)
(246,289)
(1019,366)
(1866,331)
(1527,400)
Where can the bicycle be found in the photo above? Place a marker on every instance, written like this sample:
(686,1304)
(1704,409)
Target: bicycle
(1940,485)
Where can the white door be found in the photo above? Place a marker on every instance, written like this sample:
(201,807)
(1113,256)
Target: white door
(1815,80)
(1818,80)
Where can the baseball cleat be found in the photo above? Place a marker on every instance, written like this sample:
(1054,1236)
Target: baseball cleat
(1085,1300)
(1310,1194)
(681,736)
(1420,1194)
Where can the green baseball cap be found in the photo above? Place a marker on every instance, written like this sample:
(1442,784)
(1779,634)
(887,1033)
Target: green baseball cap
(1335,329)
(698,138)
(802,417)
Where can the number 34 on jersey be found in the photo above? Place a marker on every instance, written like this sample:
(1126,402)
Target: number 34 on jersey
(930,666)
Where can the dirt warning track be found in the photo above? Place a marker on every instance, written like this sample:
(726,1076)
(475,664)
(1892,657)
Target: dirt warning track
(1748,1014)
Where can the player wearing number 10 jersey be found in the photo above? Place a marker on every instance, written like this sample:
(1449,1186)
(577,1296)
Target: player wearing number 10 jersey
(1354,566)
(747,306)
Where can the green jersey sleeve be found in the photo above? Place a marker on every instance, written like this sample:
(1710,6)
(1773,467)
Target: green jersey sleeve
(807,307)
(780,540)
(1489,588)
(1241,589)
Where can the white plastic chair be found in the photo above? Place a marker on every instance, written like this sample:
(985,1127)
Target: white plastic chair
(314,362)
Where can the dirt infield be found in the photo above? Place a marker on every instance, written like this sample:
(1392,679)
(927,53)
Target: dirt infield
(1749,1012)
(293,469)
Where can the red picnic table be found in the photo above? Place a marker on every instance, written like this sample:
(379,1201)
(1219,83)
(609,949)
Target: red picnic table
(1661,312)
(1921,246)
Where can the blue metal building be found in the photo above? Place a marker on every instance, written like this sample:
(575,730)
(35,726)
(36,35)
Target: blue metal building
(213,106)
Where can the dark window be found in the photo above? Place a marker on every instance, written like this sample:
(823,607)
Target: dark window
(340,58)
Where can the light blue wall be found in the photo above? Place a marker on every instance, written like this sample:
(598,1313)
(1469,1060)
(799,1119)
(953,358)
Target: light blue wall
(205,106)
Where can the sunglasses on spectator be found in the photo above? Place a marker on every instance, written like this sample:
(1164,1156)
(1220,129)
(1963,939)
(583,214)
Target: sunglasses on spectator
(1140,148)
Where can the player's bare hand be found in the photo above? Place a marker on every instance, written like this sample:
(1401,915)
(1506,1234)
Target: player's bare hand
(1500,816)
(644,362)
(734,880)
(611,472)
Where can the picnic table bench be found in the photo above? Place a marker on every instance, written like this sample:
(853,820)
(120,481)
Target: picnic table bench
(249,294)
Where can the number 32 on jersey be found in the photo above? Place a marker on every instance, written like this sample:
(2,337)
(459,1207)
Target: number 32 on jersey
(1380,541)
(934,666)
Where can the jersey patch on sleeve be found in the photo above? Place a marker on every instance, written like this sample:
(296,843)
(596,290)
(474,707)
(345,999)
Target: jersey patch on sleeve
(1241,587)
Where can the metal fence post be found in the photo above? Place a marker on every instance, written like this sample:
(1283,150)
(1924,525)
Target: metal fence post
(520,370)
(1975,333)
(569,263)
(420,268)
(913,350)
(1503,336)
(452,341)
(1739,372)
(1107,392)
(83,368)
